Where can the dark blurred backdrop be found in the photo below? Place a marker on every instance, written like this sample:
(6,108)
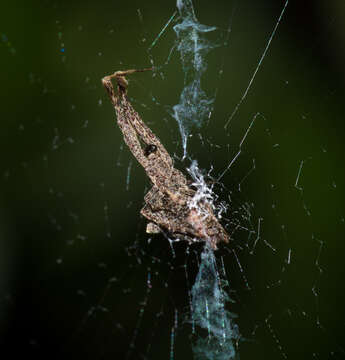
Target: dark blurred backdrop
(74,256)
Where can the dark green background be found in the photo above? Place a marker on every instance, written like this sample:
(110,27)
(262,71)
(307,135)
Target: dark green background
(63,166)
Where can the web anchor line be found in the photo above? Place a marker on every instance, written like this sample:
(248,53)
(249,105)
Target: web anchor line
(257,67)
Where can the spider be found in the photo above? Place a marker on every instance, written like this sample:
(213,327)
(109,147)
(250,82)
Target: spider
(168,203)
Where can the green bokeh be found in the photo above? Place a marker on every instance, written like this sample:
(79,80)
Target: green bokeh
(62,156)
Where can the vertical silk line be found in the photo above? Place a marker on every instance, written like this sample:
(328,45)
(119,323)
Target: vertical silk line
(209,313)
(194,105)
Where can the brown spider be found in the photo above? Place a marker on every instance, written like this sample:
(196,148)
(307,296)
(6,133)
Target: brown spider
(168,203)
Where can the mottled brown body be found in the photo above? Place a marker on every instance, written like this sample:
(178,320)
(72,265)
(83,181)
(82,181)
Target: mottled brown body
(168,203)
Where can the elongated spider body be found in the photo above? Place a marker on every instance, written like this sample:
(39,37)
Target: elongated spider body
(168,204)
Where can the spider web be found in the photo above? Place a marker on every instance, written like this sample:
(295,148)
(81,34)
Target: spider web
(248,100)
